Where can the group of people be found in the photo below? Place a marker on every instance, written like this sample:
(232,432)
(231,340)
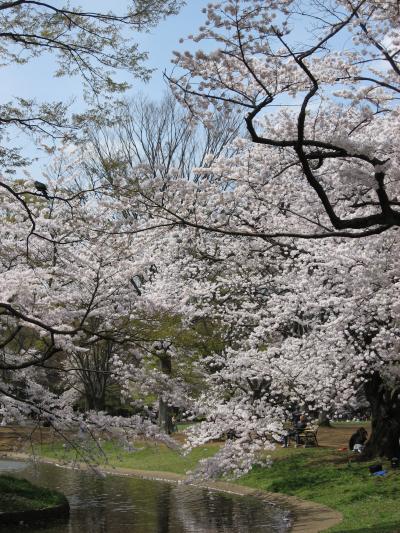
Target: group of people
(299,424)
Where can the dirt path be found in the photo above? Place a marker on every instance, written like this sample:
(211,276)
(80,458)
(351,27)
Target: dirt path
(338,436)
(16,438)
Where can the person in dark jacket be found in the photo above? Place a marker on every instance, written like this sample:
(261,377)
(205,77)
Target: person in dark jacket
(299,426)
(358,440)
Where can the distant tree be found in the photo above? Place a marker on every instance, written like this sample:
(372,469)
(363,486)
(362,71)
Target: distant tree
(93,369)
(157,140)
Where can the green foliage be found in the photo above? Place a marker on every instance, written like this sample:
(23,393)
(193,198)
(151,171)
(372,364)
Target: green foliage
(21,495)
(100,47)
(113,403)
(192,342)
(89,43)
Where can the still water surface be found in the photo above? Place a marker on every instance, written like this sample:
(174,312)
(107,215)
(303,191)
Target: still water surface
(130,505)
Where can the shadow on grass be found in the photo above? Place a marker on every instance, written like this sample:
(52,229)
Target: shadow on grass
(302,476)
(298,472)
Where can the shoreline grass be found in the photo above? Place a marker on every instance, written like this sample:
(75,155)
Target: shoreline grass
(369,504)
(19,495)
(146,455)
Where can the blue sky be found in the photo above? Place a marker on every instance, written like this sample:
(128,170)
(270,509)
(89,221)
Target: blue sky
(34,80)
(165,38)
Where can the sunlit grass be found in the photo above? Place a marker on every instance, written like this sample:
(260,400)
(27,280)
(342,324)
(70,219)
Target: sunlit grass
(369,504)
(145,456)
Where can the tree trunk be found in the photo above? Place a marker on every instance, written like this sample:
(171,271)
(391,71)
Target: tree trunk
(96,402)
(165,416)
(164,410)
(385,419)
(323,419)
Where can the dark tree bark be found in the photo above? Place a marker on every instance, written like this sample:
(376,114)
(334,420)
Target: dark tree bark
(94,373)
(385,419)
(95,399)
(323,420)
(164,410)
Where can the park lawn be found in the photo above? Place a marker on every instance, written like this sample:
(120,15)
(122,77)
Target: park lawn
(350,423)
(147,456)
(20,495)
(369,504)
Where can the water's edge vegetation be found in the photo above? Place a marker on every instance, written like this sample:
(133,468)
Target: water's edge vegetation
(21,501)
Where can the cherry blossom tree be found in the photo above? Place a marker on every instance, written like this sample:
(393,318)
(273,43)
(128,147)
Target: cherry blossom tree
(57,267)
(309,324)
(66,292)
(318,85)
(138,143)
(257,239)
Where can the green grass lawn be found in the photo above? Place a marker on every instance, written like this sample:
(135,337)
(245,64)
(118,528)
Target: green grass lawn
(369,504)
(344,423)
(21,495)
(148,456)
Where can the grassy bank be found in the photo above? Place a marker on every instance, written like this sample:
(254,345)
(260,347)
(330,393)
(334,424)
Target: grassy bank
(146,456)
(369,504)
(19,495)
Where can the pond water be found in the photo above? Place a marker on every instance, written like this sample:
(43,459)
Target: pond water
(115,504)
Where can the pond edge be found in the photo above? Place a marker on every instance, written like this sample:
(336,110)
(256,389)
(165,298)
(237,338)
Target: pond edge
(307,516)
(29,516)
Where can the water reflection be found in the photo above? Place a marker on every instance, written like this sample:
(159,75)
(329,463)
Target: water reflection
(129,505)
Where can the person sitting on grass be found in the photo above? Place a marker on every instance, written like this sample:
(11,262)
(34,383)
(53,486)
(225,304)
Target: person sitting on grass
(358,440)
(299,426)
